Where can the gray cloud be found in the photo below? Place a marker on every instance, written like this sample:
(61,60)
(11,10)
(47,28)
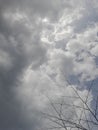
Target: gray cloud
(42,8)
(42,44)
(18,49)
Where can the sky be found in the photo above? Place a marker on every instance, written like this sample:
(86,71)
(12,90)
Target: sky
(43,45)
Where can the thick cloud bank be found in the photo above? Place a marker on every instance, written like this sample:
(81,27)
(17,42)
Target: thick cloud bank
(43,45)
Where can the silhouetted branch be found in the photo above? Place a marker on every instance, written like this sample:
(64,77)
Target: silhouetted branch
(87,116)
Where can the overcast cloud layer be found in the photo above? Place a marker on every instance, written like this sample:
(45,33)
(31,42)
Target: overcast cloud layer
(43,45)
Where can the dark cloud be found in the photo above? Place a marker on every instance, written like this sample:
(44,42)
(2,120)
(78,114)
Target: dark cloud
(11,114)
(17,51)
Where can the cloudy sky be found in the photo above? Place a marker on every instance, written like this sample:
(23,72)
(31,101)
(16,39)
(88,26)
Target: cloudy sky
(43,45)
